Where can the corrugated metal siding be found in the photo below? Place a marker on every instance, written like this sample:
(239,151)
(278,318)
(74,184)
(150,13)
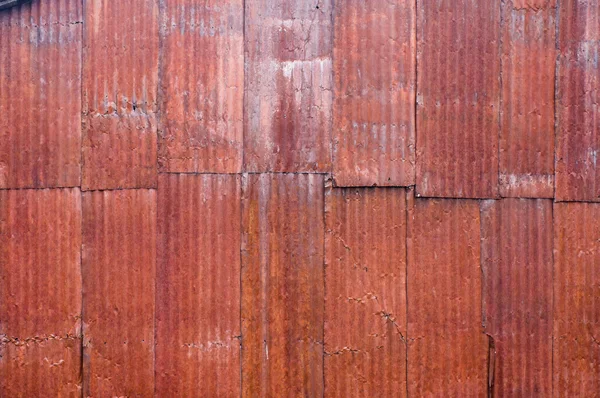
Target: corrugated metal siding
(576,300)
(374,72)
(120,84)
(119,255)
(578,140)
(444,300)
(40,293)
(198,286)
(201,85)
(288,100)
(282,285)
(365,299)
(517,280)
(40,95)
(527,117)
(458,98)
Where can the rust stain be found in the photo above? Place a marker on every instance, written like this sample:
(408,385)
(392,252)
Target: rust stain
(119,152)
(40,292)
(458,98)
(374,71)
(517,266)
(40,95)
(198,286)
(282,285)
(576,300)
(578,139)
(447,352)
(119,254)
(201,86)
(288,100)
(365,298)
(527,118)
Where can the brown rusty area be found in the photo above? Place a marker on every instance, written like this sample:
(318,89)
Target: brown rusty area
(315,198)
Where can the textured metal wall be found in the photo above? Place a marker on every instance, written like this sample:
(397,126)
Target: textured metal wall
(315,198)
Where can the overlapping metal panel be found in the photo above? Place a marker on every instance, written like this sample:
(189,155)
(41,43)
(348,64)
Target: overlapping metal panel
(282,285)
(201,85)
(458,98)
(40,95)
(374,106)
(365,299)
(120,86)
(527,117)
(576,300)
(448,351)
(198,286)
(119,255)
(578,140)
(517,266)
(40,293)
(288,99)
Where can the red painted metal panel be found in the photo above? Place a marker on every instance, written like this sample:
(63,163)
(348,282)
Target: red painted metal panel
(528,71)
(202,85)
(119,152)
(374,109)
(576,300)
(578,135)
(282,285)
(517,268)
(198,286)
(40,293)
(119,254)
(448,351)
(40,95)
(120,85)
(365,299)
(288,104)
(458,98)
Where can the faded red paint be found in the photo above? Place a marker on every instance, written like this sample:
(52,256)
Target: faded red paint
(198,286)
(517,265)
(448,351)
(458,98)
(40,293)
(365,299)
(578,137)
(576,300)
(528,71)
(282,285)
(119,152)
(201,86)
(288,99)
(119,254)
(40,95)
(374,107)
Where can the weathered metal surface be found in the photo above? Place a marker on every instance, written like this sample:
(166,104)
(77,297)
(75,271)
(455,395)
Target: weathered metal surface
(198,286)
(576,300)
(40,293)
(119,254)
(288,101)
(365,299)
(578,133)
(448,351)
(374,68)
(527,117)
(4,4)
(120,94)
(458,98)
(201,85)
(282,285)
(119,152)
(40,95)
(516,250)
